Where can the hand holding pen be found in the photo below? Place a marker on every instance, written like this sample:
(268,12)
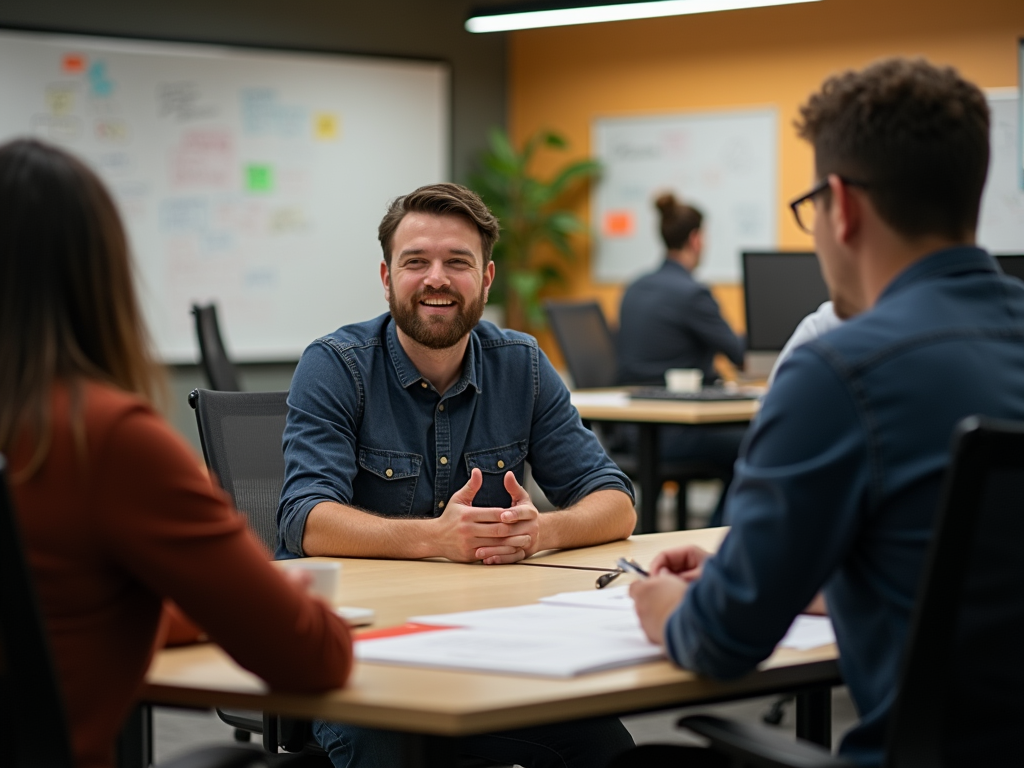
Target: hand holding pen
(624,566)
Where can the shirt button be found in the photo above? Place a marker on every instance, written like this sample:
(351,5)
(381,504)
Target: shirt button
(440,505)
(389,471)
(501,464)
(423,384)
(440,407)
(444,459)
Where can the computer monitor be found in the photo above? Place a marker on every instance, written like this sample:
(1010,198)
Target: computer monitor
(1012,264)
(779,289)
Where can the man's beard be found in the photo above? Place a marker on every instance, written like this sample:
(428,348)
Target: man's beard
(437,332)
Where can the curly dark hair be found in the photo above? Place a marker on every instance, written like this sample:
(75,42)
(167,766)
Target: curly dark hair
(915,134)
(444,199)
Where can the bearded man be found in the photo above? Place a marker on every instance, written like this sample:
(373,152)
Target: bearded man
(408,436)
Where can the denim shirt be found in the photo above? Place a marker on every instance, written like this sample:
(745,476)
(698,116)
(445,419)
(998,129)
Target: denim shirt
(839,479)
(365,429)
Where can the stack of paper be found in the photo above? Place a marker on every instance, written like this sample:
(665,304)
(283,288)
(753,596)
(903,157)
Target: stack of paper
(562,636)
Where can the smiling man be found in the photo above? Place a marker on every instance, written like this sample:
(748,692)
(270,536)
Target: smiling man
(408,436)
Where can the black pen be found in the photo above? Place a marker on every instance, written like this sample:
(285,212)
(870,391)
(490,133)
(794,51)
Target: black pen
(632,566)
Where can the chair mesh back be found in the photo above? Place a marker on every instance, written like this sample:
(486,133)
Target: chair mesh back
(586,342)
(33,726)
(961,699)
(241,436)
(219,369)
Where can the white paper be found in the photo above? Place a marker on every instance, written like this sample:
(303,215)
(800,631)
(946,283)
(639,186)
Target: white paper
(613,598)
(809,632)
(480,650)
(613,399)
(542,617)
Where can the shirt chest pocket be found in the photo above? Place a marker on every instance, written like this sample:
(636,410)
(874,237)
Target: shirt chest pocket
(494,463)
(387,481)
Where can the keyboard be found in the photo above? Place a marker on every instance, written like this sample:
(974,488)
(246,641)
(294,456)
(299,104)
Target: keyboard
(710,394)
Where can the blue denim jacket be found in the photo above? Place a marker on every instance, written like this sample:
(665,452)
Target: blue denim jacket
(367,430)
(839,480)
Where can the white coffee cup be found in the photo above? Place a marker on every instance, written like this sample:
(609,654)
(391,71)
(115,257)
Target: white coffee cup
(684,379)
(326,576)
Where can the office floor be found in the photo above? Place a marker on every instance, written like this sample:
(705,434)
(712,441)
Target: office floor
(177,729)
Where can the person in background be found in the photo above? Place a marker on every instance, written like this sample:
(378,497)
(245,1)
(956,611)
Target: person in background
(841,476)
(669,320)
(117,515)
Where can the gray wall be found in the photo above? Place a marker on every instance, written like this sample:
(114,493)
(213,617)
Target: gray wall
(417,28)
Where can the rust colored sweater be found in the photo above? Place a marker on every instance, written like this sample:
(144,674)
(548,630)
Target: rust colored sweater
(111,532)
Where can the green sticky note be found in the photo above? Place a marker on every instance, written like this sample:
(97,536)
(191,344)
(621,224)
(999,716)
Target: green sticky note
(259,178)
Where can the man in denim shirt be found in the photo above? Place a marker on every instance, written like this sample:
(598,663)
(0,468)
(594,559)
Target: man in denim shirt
(839,480)
(407,437)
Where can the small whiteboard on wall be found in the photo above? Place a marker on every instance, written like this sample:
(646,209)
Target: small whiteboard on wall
(1001,224)
(725,164)
(253,178)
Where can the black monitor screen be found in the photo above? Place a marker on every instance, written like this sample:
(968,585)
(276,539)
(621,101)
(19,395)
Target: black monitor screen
(780,290)
(1012,265)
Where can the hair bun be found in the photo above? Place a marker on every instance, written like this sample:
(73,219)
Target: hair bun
(666,203)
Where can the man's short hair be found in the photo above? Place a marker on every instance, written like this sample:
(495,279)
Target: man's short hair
(444,199)
(915,134)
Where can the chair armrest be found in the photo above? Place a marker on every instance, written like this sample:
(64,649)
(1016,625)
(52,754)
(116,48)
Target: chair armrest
(760,747)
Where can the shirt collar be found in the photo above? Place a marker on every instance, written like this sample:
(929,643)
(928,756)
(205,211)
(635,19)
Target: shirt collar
(409,375)
(945,263)
(673,264)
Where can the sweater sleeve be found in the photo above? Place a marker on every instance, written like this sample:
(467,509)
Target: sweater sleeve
(163,523)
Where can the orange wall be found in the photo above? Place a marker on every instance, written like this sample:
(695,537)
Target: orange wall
(563,78)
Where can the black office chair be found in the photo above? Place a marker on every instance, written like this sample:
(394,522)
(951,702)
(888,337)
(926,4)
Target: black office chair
(961,690)
(588,346)
(33,723)
(220,371)
(241,437)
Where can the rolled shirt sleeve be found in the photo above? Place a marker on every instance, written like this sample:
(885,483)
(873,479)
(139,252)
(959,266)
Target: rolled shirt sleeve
(567,460)
(325,404)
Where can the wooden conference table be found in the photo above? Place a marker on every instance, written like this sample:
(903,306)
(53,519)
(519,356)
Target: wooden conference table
(649,416)
(433,707)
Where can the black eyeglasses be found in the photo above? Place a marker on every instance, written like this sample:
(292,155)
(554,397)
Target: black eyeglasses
(803,206)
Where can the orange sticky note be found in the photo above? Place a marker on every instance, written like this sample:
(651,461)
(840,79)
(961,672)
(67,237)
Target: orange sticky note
(618,223)
(73,63)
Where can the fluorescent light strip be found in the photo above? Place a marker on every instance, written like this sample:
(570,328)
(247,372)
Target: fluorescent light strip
(622,12)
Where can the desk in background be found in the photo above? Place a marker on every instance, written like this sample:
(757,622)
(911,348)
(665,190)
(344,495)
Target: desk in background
(649,415)
(433,707)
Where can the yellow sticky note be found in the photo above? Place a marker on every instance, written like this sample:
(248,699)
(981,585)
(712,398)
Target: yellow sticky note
(326,126)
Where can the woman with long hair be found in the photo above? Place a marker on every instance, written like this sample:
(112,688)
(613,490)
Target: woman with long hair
(118,518)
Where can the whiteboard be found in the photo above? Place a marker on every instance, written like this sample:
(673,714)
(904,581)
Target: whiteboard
(252,178)
(723,163)
(1001,223)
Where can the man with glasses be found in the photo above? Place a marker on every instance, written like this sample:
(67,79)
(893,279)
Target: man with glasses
(840,478)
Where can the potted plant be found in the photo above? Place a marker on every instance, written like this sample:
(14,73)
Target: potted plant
(533,213)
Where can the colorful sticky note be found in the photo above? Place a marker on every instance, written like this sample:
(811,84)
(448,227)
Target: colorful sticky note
(618,223)
(259,178)
(326,126)
(73,63)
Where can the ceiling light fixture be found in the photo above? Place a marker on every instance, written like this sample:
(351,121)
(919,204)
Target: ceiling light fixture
(533,16)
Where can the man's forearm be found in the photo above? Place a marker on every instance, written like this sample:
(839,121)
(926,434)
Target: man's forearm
(336,530)
(599,517)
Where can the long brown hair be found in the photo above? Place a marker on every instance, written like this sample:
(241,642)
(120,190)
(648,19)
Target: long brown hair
(68,310)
